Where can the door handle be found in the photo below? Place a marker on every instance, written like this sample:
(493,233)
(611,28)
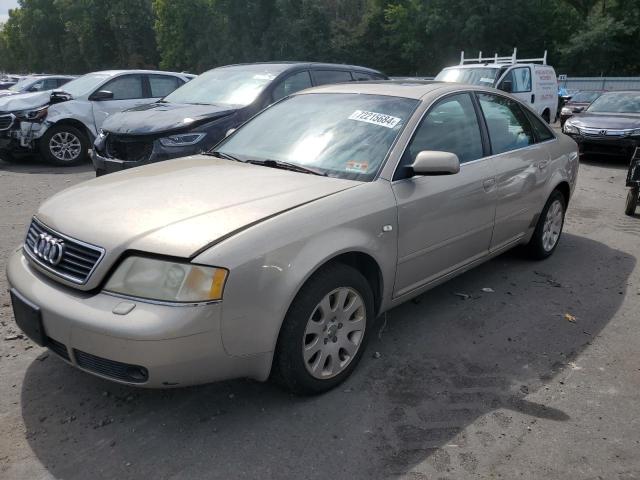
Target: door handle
(533,98)
(488,184)
(543,164)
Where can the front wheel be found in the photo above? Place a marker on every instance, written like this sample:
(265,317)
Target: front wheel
(325,331)
(64,145)
(549,227)
(632,201)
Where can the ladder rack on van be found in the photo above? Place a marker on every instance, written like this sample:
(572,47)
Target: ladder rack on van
(511,59)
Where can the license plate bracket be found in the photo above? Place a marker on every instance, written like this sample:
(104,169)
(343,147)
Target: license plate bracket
(28,317)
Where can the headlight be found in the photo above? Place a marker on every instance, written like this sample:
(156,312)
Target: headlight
(566,111)
(167,281)
(634,133)
(34,115)
(570,128)
(182,140)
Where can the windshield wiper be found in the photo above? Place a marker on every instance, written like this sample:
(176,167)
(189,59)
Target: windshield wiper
(226,156)
(288,166)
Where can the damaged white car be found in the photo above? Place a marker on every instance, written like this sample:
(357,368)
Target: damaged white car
(62,125)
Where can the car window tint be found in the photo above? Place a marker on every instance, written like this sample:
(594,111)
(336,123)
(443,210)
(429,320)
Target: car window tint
(540,129)
(125,87)
(50,84)
(163,85)
(323,77)
(507,124)
(450,126)
(291,84)
(360,76)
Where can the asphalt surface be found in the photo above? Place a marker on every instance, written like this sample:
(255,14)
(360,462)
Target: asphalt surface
(497,385)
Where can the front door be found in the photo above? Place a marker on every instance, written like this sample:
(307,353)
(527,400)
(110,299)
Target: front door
(445,222)
(127,92)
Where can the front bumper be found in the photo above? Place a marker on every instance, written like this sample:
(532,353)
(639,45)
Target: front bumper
(176,345)
(21,137)
(612,146)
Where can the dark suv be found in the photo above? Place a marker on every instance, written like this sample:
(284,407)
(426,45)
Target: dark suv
(197,115)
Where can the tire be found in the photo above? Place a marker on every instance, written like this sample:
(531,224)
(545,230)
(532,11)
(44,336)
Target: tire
(632,201)
(64,145)
(311,354)
(544,241)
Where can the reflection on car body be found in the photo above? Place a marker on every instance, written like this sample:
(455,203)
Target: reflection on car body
(246,263)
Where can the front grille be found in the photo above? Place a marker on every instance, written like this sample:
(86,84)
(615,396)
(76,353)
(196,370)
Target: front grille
(6,121)
(77,260)
(129,150)
(595,132)
(58,348)
(111,368)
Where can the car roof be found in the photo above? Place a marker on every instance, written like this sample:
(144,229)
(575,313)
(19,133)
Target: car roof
(286,65)
(407,89)
(120,72)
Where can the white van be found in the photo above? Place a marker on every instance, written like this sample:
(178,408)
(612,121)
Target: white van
(533,83)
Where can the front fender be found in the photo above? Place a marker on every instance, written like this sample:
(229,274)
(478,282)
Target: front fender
(271,261)
(74,110)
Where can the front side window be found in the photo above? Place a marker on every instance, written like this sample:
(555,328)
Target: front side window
(342,135)
(324,77)
(237,85)
(451,125)
(163,85)
(520,79)
(508,126)
(292,84)
(85,84)
(126,87)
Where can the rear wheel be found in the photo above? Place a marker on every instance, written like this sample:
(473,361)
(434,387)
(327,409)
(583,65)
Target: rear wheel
(64,145)
(632,201)
(325,331)
(546,116)
(549,227)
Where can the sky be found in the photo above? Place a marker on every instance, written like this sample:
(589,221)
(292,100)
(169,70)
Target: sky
(5,5)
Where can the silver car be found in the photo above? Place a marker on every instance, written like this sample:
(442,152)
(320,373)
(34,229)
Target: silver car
(273,255)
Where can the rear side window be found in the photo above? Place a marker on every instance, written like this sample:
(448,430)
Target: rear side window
(362,76)
(292,84)
(62,81)
(323,77)
(540,129)
(125,88)
(163,85)
(508,126)
(451,125)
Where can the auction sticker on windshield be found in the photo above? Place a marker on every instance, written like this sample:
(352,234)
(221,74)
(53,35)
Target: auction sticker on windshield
(376,118)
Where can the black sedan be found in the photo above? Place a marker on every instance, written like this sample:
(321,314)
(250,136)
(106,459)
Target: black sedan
(577,103)
(609,126)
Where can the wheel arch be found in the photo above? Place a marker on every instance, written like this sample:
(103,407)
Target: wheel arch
(77,124)
(564,188)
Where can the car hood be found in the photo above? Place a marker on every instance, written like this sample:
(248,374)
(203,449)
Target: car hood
(4,93)
(23,101)
(180,206)
(158,118)
(617,121)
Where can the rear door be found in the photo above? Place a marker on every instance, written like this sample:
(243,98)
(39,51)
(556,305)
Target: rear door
(128,91)
(445,222)
(519,164)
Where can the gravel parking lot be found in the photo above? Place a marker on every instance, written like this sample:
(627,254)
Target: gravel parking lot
(499,384)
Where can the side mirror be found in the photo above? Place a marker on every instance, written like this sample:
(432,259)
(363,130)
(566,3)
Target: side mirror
(435,163)
(578,109)
(58,96)
(229,132)
(101,95)
(507,86)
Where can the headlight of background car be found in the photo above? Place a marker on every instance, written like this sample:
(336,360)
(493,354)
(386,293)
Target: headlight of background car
(566,111)
(34,115)
(182,140)
(167,281)
(635,132)
(570,128)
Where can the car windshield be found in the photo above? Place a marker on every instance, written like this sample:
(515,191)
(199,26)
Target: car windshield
(585,97)
(85,84)
(485,76)
(341,135)
(239,85)
(616,102)
(22,84)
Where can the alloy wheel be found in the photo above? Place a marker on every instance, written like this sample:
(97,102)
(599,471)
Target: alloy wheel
(65,146)
(552,225)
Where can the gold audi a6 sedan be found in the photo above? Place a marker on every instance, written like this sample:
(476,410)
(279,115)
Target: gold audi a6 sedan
(273,254)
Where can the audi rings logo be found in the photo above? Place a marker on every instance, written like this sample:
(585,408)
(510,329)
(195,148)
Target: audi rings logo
(49,249)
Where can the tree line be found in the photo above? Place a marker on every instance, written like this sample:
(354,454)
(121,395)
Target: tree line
(399,37)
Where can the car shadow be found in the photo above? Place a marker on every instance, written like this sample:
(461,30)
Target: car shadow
(434,367)
(33,164)
(608,161)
